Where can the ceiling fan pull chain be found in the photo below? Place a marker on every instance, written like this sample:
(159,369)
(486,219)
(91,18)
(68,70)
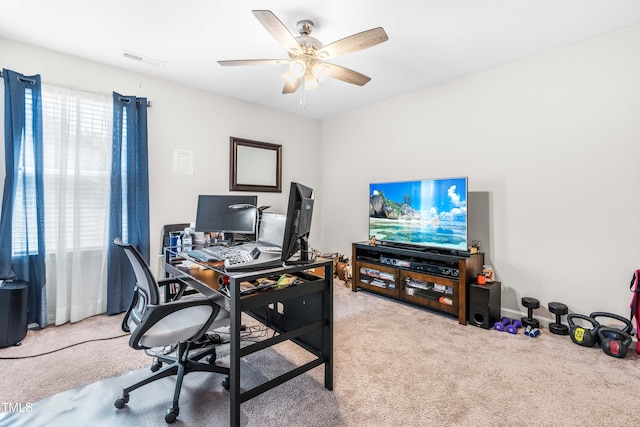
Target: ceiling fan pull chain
(303,100)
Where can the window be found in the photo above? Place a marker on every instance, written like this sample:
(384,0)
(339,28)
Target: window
(77,161)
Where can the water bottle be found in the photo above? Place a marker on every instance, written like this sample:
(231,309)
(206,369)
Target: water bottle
(186,240)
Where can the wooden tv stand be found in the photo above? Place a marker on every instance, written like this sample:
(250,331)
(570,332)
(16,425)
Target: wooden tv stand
(424,278)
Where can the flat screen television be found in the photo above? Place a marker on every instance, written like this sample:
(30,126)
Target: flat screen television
(219,214)
(427,213)
(298,224)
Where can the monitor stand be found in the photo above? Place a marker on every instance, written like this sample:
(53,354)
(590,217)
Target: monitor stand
(304,253)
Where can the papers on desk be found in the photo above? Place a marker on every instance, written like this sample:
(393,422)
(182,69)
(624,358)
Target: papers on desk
(246,287)
(263,284)
(192,265)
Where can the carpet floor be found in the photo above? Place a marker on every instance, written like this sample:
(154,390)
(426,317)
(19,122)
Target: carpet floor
(394,365)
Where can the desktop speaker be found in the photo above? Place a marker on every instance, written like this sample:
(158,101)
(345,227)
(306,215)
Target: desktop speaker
(13,313)
(484,304)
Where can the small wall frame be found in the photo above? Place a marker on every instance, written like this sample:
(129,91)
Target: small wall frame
(255,166)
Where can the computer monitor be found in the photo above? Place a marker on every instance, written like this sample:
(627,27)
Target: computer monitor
(220,214)
(271,229)
(298,224)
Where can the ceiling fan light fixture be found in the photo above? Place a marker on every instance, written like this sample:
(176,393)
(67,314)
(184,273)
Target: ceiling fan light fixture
(298,68)
(307,68)
(310,82)
(320,72)
(288,77)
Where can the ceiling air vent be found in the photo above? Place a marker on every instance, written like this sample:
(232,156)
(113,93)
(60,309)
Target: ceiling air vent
(142,58)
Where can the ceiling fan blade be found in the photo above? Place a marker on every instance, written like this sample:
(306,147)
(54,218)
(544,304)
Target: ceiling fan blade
(353,43)
(347,75)
(277,29)
(291,88)
(254,62)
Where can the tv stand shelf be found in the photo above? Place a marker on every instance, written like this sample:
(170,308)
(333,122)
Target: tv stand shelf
(429,279)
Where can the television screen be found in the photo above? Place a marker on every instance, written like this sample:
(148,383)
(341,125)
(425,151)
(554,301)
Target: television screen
(427,213)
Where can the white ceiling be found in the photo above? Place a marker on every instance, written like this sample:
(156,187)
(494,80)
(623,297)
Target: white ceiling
(430,41)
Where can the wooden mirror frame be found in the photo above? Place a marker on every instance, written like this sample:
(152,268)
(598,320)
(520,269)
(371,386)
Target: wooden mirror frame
(244,154)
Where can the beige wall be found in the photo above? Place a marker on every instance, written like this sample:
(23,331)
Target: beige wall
(185,118)
(553,140)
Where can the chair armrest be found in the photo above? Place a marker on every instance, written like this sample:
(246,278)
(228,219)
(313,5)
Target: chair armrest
(156,313)
(172,281)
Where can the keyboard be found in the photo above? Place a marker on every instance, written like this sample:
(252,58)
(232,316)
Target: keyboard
(212,253)
(253,260)
(238,258)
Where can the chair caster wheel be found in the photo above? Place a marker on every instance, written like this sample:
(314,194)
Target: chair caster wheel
(156,366)
(121,402)
(225,383)
(171,416)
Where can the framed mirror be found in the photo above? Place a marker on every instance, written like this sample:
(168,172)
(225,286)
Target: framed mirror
(255,166)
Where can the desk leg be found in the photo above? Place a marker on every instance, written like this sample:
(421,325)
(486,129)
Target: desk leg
(234,363)
(327,329)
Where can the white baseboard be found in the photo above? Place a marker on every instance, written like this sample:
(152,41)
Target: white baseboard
(513,314)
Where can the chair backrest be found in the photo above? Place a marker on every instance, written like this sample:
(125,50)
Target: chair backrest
(146,291)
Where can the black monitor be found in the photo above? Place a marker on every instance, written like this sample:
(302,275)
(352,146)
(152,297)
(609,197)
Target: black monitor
(220,214)
(298,224)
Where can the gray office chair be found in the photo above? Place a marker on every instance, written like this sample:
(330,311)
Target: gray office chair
(180,322)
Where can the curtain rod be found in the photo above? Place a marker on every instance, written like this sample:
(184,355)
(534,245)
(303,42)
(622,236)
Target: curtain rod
(138,101)
(22,79)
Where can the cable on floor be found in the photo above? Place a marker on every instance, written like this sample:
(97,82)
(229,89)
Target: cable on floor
(63,348)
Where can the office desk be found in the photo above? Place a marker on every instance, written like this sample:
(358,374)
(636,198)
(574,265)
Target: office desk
(302,314)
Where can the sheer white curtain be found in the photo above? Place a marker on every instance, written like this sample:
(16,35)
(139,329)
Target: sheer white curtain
(77,159)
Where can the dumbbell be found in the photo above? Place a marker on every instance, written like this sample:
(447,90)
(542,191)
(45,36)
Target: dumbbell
(558,309)
(531,332)
(513,327)
(500,325)
(531,304)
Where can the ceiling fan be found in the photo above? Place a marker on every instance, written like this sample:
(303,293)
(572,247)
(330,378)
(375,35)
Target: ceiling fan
(307,55)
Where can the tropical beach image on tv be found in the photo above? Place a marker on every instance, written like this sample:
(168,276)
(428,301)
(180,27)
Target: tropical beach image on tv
(429,213)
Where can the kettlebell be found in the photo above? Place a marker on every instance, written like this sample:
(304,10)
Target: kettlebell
(580,335)
(628,326)
(614,342)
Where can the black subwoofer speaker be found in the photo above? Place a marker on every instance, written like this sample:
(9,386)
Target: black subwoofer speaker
(13,313)
(484,304)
